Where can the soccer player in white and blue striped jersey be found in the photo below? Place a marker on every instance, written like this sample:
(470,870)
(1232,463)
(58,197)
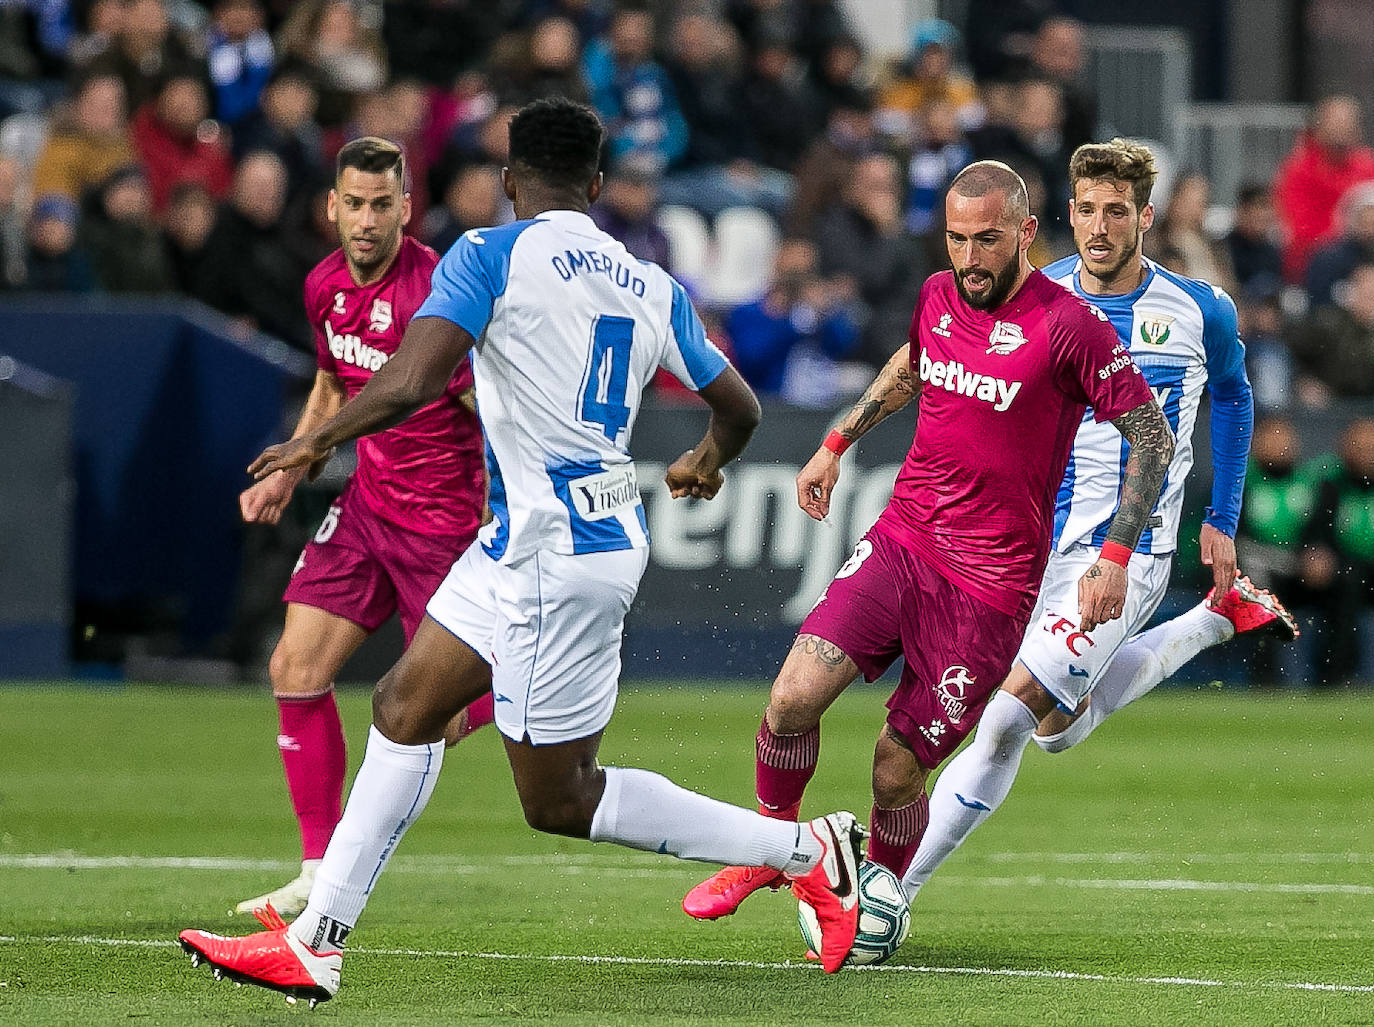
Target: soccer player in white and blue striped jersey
(565,329)
(1069,674)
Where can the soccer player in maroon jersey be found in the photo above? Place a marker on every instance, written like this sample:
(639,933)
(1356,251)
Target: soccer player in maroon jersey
(407,513)
(1005,362)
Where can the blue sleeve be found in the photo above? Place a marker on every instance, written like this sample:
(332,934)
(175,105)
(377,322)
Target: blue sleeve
(692,358)
(471,275)
(1233,412)
(839,334)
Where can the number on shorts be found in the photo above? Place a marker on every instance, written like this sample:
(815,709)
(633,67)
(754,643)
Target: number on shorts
(328,526)
(861,553)
(608,375)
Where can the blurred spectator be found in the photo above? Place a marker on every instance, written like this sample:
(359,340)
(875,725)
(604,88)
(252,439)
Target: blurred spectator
(828,164)
(1179,239)
(720,167)
(628,210)
(1033,138)
(87,141)
(56,263)
(787,341)
(589,17)
(285,125)
(1000,36)
(1328,159)
(103,23)
(837,73)
(941,151)
(187,222)
(1268,359)
(122,238)
(13,245)
(1280,499)
(1355,245)
(178,143)
(545,62)
(862,241)
(249,269)
(1060,55)
(1334,347)
(927,76)
(1339,560)
(1251,242)
(471,200)
(779,104)
(145,50)
(347,56)
(632,92)
(240,55)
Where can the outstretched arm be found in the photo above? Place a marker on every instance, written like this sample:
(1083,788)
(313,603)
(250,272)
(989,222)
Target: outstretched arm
(1102,590)
(735,413)
(417,374)
(264,501)
(893,389)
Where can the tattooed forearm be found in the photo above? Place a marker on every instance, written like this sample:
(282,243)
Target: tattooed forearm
(891,390)
(1152,447)
(826,652)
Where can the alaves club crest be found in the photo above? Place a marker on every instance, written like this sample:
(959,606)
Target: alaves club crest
(1155,330)
(1006,337)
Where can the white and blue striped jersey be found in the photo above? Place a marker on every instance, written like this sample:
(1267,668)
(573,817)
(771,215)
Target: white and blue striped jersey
(1182,334)
(570,328)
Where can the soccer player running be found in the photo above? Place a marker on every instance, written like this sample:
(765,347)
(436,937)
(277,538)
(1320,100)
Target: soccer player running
(1005,362)
(409,510)
(1069,674)
(568,328)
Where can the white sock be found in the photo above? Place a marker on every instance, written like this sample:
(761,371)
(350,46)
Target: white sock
(643,810)
(973,785)
(389,794)
(1140,665)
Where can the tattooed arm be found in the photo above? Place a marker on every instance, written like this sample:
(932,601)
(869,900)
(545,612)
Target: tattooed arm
(1102,590)
(893,389)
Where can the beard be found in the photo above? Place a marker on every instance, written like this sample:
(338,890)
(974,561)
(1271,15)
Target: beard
(996,294)
(1129,254)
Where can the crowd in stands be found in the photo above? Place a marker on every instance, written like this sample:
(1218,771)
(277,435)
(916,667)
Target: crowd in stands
(790,179)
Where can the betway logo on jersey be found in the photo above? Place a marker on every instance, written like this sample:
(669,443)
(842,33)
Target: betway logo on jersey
(352,350)
(951,376)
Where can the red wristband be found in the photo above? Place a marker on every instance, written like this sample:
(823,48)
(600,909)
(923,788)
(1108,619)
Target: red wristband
(1116,553)
(837,443)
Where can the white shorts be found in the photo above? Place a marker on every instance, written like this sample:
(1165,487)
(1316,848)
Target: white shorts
(1065,661)
(550,627)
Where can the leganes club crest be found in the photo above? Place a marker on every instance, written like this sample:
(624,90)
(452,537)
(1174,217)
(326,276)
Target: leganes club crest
(1154,331)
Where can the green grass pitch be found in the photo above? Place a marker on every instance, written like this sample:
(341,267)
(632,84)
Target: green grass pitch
(1206,858)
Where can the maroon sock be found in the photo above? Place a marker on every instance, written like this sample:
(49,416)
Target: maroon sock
(783,766)
(897,833)
(312,750)
(480,713)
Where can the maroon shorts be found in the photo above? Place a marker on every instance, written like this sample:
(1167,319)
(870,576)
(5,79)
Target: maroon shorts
(364,569)
(887,602)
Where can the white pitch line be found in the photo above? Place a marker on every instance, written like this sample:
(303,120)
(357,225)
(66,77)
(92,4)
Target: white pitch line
(1186,858)
(1163,884)
(574,865)
(91,941)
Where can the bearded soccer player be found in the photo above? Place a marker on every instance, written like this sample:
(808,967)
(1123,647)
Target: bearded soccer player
(1182,335)
(412,506)
(1005,362)
(566,329)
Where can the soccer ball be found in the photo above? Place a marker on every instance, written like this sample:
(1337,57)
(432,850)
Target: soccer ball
(884,917)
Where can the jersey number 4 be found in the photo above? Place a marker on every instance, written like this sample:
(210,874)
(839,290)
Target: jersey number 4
(608,374)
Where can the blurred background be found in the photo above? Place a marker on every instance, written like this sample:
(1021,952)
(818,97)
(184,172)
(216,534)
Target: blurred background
(164,166)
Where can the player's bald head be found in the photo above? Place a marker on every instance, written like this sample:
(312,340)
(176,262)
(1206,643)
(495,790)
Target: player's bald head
(988,177)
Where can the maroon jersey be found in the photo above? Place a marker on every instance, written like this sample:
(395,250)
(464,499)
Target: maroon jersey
(1003,392)
(426,474)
